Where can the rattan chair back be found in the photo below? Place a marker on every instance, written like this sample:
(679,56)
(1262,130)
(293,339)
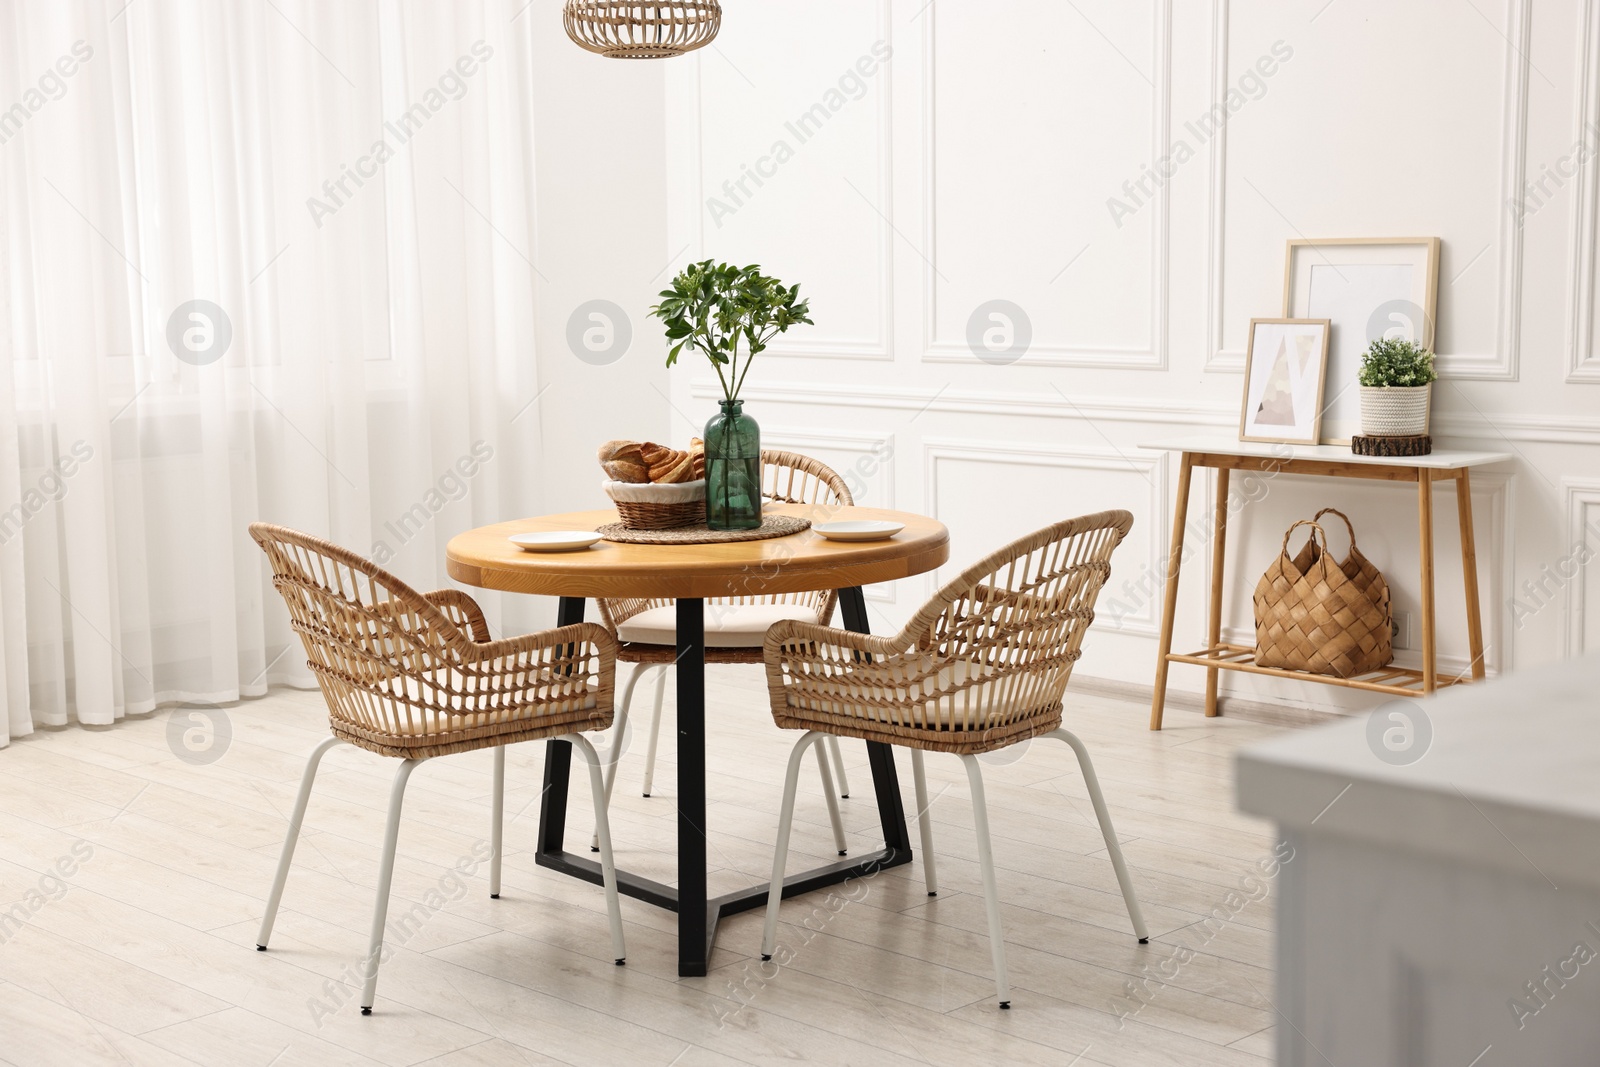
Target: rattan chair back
(984,664)
(414,675)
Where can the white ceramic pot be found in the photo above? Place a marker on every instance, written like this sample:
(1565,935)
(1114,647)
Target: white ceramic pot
(1395,410)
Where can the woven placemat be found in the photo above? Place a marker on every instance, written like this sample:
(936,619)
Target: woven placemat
(771,526)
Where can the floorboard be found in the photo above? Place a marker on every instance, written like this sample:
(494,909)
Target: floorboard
(144,954)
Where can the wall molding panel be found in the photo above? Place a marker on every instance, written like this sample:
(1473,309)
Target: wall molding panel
(1151,357)
(1583,362)
(1582,510)
(1504,363)
(1150,467)
(806,344)
(1218,358)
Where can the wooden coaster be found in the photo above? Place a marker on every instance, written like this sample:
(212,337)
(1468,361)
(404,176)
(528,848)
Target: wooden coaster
(1418,445)
(771,526)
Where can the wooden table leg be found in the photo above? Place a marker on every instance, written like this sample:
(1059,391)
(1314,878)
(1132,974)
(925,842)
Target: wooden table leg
(1425,528)
(1469,571)
(1219,541)
(1169,607)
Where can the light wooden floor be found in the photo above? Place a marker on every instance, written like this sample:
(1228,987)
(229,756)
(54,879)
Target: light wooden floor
(145,953)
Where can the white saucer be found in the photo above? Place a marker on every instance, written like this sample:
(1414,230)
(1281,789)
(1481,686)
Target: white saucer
(858,530)
(554,540)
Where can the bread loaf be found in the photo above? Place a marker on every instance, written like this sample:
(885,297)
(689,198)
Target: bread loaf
(622,462)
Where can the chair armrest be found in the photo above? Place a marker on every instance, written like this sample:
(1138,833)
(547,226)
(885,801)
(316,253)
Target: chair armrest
(791,632)
(462,611)
(812,655)
(616,611)
(547,667)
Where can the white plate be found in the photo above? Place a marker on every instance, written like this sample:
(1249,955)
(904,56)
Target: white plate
(858,530)
(554,540)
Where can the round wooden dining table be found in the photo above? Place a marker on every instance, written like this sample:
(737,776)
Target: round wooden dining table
(690,574)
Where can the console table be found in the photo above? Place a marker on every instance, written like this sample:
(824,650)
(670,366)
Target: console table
(1328,461)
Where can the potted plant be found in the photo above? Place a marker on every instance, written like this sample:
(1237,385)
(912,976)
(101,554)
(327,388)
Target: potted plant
(1396,379)
(722,311)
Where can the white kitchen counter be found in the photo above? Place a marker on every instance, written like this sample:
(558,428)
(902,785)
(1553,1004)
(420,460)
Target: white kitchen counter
(1425,897)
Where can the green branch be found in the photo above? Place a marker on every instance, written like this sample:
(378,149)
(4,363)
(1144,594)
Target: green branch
(711,306)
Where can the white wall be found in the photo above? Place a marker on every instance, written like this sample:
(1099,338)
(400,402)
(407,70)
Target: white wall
(977,164)
(600,136)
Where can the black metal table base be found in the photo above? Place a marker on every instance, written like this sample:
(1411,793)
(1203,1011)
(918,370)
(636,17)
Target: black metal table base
(665,896)
(697,914)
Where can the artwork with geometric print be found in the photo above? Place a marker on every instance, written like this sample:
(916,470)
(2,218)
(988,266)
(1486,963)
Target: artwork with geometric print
(1285,365)
(1277,396)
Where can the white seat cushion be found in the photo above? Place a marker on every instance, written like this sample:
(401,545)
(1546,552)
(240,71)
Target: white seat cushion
(919,702)
(727,625)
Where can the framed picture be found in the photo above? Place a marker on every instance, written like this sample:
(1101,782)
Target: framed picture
(1367,287)
(1286,363)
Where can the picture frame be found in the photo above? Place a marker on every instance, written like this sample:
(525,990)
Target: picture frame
(1367,287)
(1285,375)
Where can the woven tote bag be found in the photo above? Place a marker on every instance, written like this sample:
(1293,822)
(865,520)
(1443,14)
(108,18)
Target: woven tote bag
(1313,614)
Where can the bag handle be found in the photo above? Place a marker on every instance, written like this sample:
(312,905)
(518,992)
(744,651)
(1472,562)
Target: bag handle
(1316,529)
(1347,525)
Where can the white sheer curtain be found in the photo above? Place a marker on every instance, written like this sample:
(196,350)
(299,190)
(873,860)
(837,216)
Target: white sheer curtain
(352,185)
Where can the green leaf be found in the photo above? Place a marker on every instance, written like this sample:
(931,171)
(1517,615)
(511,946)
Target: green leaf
(1396,362)
(719,308)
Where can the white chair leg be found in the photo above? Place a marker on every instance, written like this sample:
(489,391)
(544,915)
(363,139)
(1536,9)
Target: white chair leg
(286,857)
(838,767)
(1107,831)
(655,731)
(380,909)
(930,873)
(619,733)
(791,784)
(991,895)
(831,799)
(497,817)
(608,868)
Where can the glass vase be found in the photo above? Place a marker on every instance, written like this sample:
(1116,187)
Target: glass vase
(733,469)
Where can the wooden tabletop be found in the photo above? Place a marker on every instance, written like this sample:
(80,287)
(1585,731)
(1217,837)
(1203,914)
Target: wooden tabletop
(798,563)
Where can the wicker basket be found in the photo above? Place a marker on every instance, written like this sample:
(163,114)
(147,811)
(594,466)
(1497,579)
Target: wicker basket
(649,506)
(1313,614)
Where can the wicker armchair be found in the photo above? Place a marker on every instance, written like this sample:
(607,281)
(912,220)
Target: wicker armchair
(646,630)
(982,666)
(413,676)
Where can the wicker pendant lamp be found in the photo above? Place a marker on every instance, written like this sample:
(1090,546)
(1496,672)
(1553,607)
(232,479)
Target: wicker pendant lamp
(623,30)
